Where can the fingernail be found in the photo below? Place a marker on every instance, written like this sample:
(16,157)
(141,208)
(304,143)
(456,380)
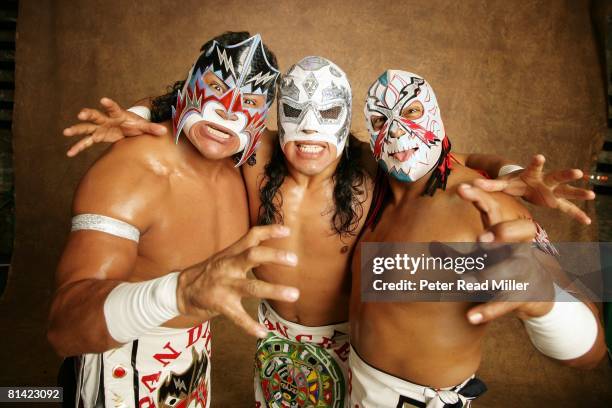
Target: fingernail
(465,186)
(292,294)
(475,318)
(486,237)
(291,258)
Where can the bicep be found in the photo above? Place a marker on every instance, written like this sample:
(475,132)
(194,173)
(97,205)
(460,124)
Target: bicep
(121,189)
(95,255)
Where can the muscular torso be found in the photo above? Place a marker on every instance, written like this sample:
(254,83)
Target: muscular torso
(198,209)
(322,274)
(429,343)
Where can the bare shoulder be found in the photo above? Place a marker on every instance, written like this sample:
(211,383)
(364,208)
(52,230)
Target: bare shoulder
(128,180)
(461,219)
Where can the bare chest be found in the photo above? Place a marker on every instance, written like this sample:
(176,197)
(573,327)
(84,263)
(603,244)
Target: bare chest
(197,219)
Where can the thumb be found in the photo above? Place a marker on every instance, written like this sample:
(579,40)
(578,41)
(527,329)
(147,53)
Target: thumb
(154,129)
(111,107)
(491,185)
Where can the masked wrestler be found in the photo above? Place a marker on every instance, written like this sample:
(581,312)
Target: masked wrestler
(133,296)
(310,180)
(425,354)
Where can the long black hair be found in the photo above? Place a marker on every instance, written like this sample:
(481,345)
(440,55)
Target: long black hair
(349,192)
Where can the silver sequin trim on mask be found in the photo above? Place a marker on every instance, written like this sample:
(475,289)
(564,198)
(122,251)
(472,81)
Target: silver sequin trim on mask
(105,224)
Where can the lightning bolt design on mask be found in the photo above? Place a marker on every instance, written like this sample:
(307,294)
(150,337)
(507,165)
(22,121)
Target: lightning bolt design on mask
(244,69)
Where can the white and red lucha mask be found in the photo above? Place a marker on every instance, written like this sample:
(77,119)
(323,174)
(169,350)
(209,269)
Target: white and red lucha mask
(406,149)
(244,69)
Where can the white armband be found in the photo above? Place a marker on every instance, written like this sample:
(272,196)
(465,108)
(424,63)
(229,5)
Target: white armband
(141,111)
(102,223)
(568,331)
(132,309)
(508,168)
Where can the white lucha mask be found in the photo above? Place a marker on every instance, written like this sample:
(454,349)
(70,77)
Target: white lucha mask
(315,94)
(417,151)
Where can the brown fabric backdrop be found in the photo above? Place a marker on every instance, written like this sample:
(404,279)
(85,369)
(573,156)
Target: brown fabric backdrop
(512,77)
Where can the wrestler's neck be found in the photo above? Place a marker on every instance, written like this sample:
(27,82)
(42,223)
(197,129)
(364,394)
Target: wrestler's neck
(312,181)
(403,190)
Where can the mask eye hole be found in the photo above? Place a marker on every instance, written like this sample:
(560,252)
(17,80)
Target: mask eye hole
(290,111)
(331,113)
(378,122)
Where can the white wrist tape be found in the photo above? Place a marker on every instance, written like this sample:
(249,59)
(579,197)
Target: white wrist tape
(132,309)
(568,331)
(508,168)
(141,111)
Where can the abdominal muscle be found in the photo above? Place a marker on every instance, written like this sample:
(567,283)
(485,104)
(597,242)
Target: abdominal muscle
(430,344)
(324,291)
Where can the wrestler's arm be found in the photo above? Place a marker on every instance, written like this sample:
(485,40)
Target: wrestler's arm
(489,163)
(93,263)
(497,209)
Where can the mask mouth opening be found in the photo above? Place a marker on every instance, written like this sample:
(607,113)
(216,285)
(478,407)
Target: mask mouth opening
(216,132)
(404,155)
(310,147)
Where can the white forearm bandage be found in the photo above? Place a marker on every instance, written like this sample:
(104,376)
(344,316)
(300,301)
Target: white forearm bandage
(132,309)
(141,111)
(568,331)
(507,169)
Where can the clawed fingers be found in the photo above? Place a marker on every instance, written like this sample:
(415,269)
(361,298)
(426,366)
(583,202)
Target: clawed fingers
(483,201)
(154,128)
(557,177)
(491,185)
(80,146)
(546,195)
(573,211)
(80,129)
(111,107)
(256,235)
(574,193)
(536,166)
(264,290)
(257,255)
(92,115)
(236,313)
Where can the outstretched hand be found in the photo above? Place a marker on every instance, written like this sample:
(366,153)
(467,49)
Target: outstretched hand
(518,263)
(111,124)
(218,285)
(544,189)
